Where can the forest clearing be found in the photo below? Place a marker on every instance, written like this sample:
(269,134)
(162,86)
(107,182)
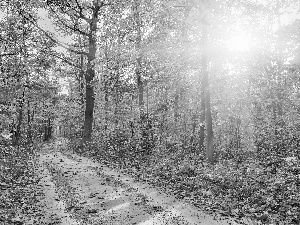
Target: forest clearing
(150,112)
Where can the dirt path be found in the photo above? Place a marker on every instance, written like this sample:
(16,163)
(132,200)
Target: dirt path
(80,191)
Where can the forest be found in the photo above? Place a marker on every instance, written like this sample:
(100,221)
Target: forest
(199,98)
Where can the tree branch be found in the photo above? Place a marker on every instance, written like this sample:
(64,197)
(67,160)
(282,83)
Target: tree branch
(6,54)
(67,61)
(81,16)
(75,28)
(28,17)
(66,25)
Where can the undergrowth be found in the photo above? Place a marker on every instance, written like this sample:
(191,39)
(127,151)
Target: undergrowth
(18,180)
(251,192)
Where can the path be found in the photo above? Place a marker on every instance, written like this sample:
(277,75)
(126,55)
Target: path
(80,191)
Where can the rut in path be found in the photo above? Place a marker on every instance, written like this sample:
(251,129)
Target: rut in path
(80,191)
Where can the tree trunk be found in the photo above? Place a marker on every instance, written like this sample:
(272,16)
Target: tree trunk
(81,82)
(89,109)
(202,116)
(206,92)
(90,74)
(138,73)
(45,133)
(176,108)
(147,98)
(138,67)
(17,134)
(140,84)
(209,130)
(81,92)
(29,133)
(184,39)
(194,117)
(105,109)
(106,87)
(49,128)
(80,79)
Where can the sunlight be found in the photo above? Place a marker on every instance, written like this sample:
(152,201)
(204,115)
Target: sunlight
(239,43)
(64,86)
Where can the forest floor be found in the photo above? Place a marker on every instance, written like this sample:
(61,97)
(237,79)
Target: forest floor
(61,187)
(55,183)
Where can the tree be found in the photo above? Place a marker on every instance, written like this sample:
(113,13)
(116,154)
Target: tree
(205,100)
(68,16)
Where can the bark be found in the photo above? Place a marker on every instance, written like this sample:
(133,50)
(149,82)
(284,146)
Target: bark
(89,109)
(90,74)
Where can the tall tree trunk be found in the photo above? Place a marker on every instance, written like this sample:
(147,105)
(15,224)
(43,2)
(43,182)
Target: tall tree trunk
(29,133)
(138,68)
(80,79)
(138,73)
(140,84)
(206,92)
(105,109)
(49,129)
(176,108)
(81,93)
(202,116)
(116,111)
(17,134)
(90,74)
(192,142)
(147,99)
(81,82)
(106,87)
(203,88)
(184,39)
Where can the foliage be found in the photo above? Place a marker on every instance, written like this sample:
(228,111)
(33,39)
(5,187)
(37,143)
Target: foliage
(135,81)
(247,192)
(18,180)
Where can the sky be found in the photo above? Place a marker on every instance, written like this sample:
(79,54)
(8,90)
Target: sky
(46,24)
